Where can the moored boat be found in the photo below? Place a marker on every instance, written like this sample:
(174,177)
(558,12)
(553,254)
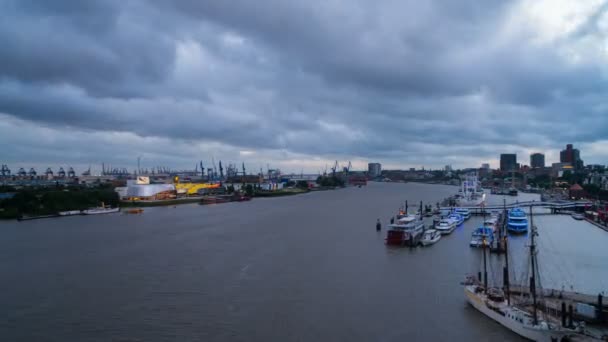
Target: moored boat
(407,231)
(430,237)
(446,226)
(517,221)
(70,213)
(215,199)
(464,212)
(482,235)
(102,209)
(578,216)
(456,218)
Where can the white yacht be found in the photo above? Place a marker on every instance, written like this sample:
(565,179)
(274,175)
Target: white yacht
(430,237)
(446,226)
(464,212)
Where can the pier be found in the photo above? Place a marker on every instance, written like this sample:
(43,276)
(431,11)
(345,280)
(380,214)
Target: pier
(554,207)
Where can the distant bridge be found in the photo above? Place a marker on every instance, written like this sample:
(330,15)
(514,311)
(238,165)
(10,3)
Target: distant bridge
(553,205)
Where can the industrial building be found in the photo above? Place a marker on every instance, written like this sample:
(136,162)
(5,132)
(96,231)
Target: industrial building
(374,169)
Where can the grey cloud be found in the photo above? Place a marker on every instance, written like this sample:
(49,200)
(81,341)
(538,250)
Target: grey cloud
(405,82)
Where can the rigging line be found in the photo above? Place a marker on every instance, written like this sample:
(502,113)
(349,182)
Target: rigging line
(561,264)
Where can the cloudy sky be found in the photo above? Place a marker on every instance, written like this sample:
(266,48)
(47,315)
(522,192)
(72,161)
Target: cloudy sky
(299,84)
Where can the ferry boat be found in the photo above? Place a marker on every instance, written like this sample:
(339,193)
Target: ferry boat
(430,237)
(520,315)
(481,235)
(445,226)
(517,221)
(464,212)
(407,231)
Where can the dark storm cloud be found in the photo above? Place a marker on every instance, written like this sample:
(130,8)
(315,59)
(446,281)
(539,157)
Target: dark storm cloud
(403,81)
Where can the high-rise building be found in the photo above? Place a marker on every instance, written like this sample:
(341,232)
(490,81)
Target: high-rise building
(508,162)
(537,160)
(572,156)
(485,166)
(374,169)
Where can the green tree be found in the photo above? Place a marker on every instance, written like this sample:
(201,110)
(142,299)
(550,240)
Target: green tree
(249,190)
(302,184)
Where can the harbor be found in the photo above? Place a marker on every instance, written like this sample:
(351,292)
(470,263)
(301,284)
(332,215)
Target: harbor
(241,274)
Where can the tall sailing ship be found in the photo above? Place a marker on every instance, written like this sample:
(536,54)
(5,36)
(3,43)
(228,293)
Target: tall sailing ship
(521,315)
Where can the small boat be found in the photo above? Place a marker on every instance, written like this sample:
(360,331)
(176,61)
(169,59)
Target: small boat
(430,237)
(480,235)
(491,222)
(135,211)
(446,226)
(578,216)
(465,213)
(100,210)
(517,221)
(457,218)
(70,213)
(512,192)
(406,232)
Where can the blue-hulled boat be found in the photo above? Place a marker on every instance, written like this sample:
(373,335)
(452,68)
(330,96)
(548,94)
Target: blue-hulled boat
(457,218)
(517,222)
(465,213)
(480,234)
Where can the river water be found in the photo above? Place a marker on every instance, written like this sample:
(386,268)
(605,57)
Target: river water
(302,268)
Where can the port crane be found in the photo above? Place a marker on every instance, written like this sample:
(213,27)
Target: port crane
(334,168)
(6,172)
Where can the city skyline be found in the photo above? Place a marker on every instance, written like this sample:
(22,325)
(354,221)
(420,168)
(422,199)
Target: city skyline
(299,84)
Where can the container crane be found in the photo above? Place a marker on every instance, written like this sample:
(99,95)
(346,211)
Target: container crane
(6,172)
(334,168)
(61,173)
(21,172)
(71,173)
(32,172)
(49,172)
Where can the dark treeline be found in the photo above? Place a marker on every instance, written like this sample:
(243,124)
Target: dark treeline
(49,201)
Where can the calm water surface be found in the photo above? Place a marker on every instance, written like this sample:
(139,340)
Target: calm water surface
(303,268)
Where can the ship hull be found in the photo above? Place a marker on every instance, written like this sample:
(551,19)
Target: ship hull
(502,317)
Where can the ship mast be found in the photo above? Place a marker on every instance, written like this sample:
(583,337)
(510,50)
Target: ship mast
(505,275)
(533,264)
